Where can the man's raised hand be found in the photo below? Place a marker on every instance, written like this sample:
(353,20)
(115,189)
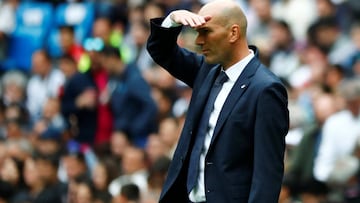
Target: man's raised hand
(188,18)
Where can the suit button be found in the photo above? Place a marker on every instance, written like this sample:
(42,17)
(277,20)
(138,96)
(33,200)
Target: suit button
(208,191)
(190,132)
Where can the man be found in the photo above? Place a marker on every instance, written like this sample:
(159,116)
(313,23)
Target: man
(133,108)
(241,157)
(340,133)
(135,171)
(78,101)
(68,43)
(47,167)
(43,84)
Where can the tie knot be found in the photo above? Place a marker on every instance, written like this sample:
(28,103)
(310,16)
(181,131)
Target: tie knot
(221,78)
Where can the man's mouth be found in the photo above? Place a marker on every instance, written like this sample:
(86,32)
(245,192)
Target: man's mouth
(205,51)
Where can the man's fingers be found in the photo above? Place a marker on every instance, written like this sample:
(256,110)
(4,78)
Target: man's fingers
(188,18)
(199,21)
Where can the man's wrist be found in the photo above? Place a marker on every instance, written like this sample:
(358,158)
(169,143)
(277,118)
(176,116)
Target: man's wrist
(168,22)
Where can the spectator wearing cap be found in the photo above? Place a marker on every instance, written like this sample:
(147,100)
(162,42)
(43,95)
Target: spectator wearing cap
(78,101)
(131,102)
(339,134)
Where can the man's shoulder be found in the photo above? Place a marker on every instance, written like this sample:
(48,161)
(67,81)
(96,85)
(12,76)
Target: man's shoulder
(266,76)
(340,116)
(338,119)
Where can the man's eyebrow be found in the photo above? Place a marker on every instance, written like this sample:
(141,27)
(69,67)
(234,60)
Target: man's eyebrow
(202,28)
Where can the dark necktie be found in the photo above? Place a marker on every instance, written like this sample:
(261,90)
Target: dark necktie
(193,171)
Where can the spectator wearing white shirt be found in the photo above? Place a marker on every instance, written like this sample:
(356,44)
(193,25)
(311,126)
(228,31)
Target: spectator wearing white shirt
(43,84)
(340,133)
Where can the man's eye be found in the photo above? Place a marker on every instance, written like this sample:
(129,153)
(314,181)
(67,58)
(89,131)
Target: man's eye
(203,31)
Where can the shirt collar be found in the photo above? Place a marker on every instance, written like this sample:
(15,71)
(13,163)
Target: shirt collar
(234,71)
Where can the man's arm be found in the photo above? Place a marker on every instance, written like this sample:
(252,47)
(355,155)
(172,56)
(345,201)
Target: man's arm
(141,92)
(271,126)
(163,48)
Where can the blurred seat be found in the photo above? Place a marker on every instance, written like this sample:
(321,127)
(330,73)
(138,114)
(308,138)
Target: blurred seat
(79,15)
(33,21)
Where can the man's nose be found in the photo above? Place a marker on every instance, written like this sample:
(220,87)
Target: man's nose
(199,40)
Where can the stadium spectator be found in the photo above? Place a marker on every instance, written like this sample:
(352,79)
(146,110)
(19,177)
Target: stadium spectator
(7,24)
(44,83)
(134,167)
(133,108)
(100,78)
(78,101)
(301,163)
(129,193)
(327,35)
(13,85)
(68,43)
(155,148)
(339,134)
(283,57)
(101,177)
(169,133)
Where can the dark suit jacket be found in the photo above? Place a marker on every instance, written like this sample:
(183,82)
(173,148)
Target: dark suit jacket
(133,108)
(245,160)
(86,118)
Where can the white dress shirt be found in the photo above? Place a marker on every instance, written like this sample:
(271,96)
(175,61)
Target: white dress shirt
(233,72)
(198,193)
(40,89)
(339,138)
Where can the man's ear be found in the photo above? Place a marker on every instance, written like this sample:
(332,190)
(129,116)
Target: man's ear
(234,34)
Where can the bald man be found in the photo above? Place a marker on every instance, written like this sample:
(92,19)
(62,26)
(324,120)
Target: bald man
(232,145)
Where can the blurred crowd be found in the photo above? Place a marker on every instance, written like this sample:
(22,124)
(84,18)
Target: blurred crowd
(96,120)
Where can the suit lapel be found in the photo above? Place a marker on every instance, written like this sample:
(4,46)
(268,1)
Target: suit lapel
(203,93)
(236,92)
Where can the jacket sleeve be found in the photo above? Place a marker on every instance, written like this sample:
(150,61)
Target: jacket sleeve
(271,126)
(143,120)
(163,48)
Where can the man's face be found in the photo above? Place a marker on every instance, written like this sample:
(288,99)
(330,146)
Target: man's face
(212,39)
(39,63)
(66,39)
(109,63)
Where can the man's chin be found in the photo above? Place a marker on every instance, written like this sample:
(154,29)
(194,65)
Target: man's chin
(209,60)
